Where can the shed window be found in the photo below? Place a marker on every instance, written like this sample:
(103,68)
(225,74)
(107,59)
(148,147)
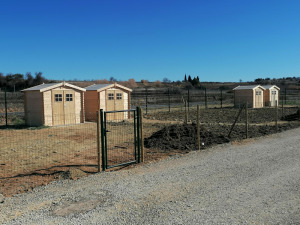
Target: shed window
(69,97)
(258,93)
(58,97)
(273,92)
(119,96)
(110,96)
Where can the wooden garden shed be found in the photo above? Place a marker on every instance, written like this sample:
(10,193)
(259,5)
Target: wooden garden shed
(271,95)
(54,104)
(252,94)
(109,97)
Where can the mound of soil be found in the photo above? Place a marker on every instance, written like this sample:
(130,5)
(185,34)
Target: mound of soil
(182,137)
(292,117)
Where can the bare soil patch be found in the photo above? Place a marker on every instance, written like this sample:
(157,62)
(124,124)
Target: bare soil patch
(35,157)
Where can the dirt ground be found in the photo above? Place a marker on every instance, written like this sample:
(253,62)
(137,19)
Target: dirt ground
(33,157)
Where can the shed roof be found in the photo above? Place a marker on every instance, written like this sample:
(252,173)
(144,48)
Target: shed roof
(101,87)
(46,87)
(271,86)
(249,87)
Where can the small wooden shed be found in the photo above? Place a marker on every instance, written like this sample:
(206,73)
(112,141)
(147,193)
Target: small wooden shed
(253,94)
(271,95)
(54,104)
(109,97)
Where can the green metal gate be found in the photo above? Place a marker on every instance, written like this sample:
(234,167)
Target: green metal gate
(120,138)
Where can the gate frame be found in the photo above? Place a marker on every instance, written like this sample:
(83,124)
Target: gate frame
(137,122)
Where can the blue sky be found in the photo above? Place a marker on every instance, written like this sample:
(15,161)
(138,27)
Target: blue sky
(216,40)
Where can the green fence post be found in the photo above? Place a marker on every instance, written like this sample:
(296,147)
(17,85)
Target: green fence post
(138,134)
(103,140)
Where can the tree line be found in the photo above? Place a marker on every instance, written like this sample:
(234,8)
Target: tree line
(18,81)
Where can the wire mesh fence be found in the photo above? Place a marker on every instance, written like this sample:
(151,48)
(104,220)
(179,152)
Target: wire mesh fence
(120,138)
(31,156)
(218,125)
(11,108)
(42,154)
(169,99)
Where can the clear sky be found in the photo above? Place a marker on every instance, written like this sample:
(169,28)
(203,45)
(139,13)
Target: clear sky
(217,40)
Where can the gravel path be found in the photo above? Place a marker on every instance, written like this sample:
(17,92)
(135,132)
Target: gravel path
(254,182)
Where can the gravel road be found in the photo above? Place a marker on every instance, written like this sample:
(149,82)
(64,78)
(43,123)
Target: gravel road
(253,182)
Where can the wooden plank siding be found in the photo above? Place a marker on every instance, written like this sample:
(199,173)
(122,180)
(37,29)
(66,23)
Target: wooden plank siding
(91,105)
(47,102)
(258,98)
(96,100)
(243,96)
(34,108)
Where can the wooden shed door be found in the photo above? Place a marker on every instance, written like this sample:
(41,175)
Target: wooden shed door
(119,105)
(63,107)
(258,99)
(69,107)
(58,108)
(273,97)
(115,102)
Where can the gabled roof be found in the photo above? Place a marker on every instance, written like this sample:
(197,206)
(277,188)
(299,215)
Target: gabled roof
(271,86)
(101,87)
(46,87)
(249,87)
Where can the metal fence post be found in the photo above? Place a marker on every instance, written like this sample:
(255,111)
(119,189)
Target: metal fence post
(169,100)
(276,119)
(5,105)
(98,140)
(185,112)
(103,140)
(221,98)
(188,100)
(285,96)
(198,127)
(138,133)
(142,136)
(282,106)
(246,111)
(146,101)
(205,94)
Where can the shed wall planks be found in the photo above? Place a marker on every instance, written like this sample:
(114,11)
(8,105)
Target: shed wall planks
(47,108)
(34,108)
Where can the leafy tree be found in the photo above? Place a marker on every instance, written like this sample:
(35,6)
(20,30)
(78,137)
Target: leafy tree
(39,79)
(185,80)
(195,81)
(166,80)
(2,80)
(112,79)
(190,79)
(29,80)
